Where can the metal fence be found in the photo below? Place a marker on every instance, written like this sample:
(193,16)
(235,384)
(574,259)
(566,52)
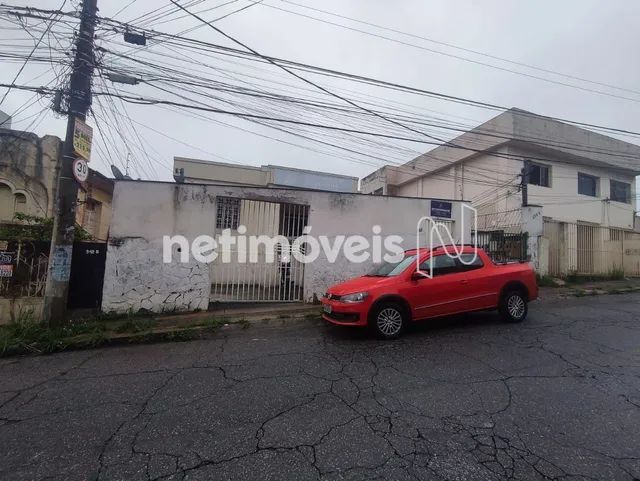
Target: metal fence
(587,249)
(502,246)
(23,268)
(509,221)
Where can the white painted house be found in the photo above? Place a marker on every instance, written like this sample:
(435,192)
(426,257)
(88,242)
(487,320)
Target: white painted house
(137,276)
(575,174)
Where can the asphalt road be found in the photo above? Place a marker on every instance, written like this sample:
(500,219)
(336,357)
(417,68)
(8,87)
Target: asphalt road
(557,397)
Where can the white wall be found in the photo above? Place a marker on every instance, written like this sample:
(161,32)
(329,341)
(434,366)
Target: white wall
(143,212)
(561,200)
(135,276)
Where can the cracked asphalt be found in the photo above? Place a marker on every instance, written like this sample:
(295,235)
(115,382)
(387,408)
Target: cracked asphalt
(554,398)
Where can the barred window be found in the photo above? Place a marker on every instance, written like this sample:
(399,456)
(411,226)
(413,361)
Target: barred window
(228,213)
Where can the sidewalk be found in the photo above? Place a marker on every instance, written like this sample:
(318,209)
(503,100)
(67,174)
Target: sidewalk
(244,314)
(34,337)
(593,288)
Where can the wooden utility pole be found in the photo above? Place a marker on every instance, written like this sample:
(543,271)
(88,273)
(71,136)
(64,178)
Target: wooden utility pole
(55,301)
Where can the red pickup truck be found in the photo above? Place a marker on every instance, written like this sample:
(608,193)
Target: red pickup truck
(395,294)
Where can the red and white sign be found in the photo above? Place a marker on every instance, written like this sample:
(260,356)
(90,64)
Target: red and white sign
(80,170)
(6,270)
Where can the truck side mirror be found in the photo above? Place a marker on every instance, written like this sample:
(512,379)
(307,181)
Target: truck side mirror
(417,275)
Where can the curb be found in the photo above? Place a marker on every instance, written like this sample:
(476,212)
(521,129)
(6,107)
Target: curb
(173,333)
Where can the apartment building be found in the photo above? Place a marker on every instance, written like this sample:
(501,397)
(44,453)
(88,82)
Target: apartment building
(575,174)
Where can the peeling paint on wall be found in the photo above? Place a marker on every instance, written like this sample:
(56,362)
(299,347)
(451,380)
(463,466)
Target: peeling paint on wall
(136,278)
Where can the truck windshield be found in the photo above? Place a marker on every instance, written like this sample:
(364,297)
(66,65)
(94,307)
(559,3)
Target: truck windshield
(388,269)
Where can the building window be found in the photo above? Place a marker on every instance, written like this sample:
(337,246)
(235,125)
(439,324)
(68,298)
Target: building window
(228,213)
(587,185)
(378,191)
(6,203)
(539,175)
(620,191)
(20,204)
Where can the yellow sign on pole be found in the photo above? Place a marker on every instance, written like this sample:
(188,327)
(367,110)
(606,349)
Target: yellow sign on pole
(82,137)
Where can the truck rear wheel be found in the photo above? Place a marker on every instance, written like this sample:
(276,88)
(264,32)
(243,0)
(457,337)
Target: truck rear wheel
(513,306)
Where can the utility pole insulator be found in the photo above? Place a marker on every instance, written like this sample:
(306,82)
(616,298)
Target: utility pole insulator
(57,288)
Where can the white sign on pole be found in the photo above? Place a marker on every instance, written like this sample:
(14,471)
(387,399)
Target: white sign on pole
(80,170)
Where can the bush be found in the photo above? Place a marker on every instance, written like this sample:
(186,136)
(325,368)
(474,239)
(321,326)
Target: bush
(34,227)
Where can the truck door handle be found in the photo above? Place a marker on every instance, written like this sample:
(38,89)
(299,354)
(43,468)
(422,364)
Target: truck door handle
(464,281)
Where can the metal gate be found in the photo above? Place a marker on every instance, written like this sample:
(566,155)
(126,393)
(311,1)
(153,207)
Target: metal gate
(262,272)
(87,275)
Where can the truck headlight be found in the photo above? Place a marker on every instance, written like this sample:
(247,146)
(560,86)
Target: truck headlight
(357,297)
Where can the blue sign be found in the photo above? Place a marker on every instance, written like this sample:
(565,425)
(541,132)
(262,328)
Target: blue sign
(440,209)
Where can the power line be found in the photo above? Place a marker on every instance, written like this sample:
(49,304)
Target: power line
(15,78)
(354,77)
(152,101)
(217,86)
(374,82)
(124,8)
(446,44)
(325,90)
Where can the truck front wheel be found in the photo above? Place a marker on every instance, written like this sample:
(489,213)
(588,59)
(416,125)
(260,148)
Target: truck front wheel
(388,320)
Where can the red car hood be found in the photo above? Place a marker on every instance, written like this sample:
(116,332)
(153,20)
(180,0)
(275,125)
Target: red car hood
(359,284)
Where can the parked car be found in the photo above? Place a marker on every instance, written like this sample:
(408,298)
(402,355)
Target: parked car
(395,294)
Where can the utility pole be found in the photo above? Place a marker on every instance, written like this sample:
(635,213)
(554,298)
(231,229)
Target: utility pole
(55,301)
(525,183)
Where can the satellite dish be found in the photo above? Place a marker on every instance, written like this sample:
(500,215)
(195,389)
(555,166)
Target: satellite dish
(117,173)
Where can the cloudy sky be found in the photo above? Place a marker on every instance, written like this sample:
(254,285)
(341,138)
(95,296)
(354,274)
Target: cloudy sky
(582,39)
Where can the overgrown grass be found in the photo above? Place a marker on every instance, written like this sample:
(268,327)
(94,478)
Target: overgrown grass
(24,335)
(136,325)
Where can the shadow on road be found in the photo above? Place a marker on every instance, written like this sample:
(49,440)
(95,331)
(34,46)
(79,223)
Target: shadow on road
(428,327)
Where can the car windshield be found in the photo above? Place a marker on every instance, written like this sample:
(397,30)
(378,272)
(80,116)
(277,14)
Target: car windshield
(388,269)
